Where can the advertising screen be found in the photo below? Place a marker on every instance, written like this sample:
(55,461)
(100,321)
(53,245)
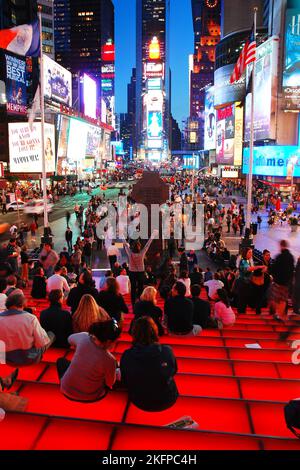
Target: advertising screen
(57,82)
(16,95)
(93,141)
(291,69)
(154,127)
(210,121)
(89,96)
(191,162)
(77,140)
(25,148)
(154,84)
(153,100)
(63,127)
(272,161)
(265,93)
(238,133)
(154,70)
(225,135)
(224,91)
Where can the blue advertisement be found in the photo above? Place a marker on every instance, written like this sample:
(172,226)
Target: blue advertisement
(154,125)
(273,161)
(16,95)
(291,70)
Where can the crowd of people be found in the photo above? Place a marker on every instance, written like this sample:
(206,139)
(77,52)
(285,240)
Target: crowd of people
(178,298)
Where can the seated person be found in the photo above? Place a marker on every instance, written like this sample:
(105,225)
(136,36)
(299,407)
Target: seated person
(196,276)
(223,311)
(24,338)
(57,320)
(87,313)
(111,300)
(3,296)
(146,307)
(88,380)
(148,369)
(39,285)
(179,313)
(201,308)
(124,282)
(213,286)
(150,278)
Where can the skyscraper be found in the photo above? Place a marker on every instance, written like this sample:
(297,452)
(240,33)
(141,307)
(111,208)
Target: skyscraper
(84,42)
(48,27)
(152,79)
(15,12)
(206,22)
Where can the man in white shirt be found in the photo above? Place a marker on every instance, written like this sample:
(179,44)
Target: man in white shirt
(24,338)
(213,286)
(124,282)
(113,253)
(58,282)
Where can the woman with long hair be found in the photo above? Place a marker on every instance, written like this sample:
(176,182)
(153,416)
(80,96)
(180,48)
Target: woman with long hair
(87,313)
(146,307)
(148,369)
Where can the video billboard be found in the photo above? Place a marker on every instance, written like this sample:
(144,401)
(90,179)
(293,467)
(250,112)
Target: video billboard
(154,70)
(266,81)
(272,160)
(57,82)
(225,92)
(16,94)
(210,121)
(154,126)
(225,135)
(25,147)
(291,69)
(89,96)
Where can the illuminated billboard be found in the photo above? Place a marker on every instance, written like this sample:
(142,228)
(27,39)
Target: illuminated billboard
(266,82)
(25,147)
(272,160)
(153,100)
(225,92)
(291,69)
(225,135)
(154,49)
(77,140)
(154,84)
(57,82)
(16,95)
(238,135)
(108,52)
(210,121)
(89,96)
(154,125)
(154,70)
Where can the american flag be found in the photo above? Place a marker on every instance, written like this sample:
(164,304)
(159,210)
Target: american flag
(247,56)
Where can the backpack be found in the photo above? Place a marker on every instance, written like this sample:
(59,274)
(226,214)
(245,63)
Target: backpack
(292,416)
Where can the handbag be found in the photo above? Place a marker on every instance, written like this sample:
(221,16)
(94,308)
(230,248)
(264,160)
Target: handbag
(292,416)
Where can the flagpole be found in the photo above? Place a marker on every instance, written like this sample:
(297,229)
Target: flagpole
(44,175)
(250,174)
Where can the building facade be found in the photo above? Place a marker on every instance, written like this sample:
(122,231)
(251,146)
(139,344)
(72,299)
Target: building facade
(152,79)
(206,23)
(84,43)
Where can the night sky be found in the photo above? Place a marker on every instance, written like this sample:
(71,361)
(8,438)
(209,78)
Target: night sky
(181,45)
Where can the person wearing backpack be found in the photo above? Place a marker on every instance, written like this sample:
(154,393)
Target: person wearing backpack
(148,369)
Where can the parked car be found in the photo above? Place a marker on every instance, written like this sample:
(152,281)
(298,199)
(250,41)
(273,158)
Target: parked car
(13,206)
(36,206)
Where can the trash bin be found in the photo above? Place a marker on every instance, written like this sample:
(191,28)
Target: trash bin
(254,229)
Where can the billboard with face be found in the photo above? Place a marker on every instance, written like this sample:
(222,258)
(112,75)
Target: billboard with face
(25,147)
(291,70)
(225,135)
(154,127)
(265,93)
(210,121)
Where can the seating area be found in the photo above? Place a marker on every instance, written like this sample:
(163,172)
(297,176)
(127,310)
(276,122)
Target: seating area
(235,393)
